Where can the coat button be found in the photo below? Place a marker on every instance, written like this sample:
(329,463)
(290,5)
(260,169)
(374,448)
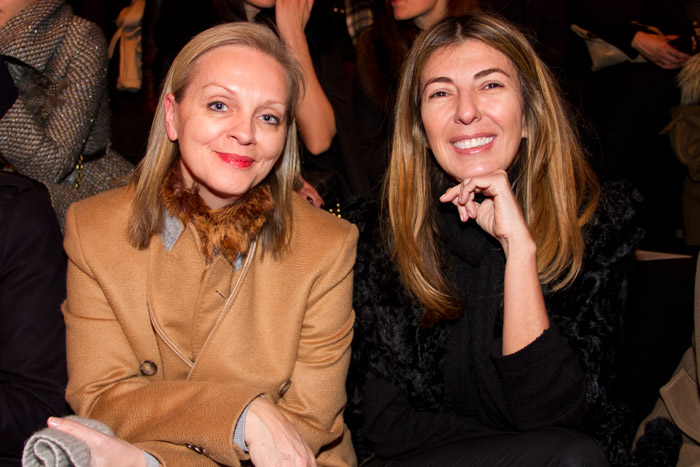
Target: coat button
(148,368)
(284,388)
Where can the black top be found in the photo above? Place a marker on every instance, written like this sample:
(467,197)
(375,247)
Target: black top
(541,385)
(411,388)
(32,334)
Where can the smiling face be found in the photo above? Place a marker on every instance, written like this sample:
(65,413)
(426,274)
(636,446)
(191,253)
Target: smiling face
(231,123)
(424,13)
(472,109)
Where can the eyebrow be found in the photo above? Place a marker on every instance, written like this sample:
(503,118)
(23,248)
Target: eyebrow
(477,75)
(233,92)
(488,71)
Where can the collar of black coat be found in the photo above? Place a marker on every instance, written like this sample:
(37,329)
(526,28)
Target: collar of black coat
(31,35)
(230,230)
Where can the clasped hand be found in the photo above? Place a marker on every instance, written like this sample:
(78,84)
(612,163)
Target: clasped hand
(272,439)
(656,49)
(499,214)
(105,450)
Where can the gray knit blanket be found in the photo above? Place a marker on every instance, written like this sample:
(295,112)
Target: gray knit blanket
(51,447)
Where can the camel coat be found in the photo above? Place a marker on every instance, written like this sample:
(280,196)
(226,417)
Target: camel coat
(168,350)
(680,397)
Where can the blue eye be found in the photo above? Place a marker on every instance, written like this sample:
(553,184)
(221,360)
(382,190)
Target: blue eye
(218,106)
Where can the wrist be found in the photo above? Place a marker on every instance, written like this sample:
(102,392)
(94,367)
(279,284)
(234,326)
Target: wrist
(520,246)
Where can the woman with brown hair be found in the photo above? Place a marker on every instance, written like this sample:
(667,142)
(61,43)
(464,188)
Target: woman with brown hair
(493,225)
(204,325)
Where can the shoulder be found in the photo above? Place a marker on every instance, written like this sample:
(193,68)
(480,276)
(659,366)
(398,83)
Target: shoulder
(615,227)
(313,227)
(18,187)
(87,29)
(100,218)
(25,204)
(84,41)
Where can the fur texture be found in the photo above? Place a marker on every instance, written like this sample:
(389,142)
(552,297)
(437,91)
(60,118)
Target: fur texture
(229,230)
(689,81)
(390,343)
(659,446)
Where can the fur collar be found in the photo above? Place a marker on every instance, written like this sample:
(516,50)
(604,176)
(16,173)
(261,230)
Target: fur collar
(689,81)
(230,230)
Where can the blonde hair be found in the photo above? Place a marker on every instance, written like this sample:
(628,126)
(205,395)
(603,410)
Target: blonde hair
(555,188)
(147,208)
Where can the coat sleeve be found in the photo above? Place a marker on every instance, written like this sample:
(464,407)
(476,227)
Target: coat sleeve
(105,383)
(316,398)
(32,335)
(51,139)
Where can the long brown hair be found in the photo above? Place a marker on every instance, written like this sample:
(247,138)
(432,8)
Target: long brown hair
(556,188)
(147,209)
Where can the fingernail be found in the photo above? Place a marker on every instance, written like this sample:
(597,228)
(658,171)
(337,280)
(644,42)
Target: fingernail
(54,422)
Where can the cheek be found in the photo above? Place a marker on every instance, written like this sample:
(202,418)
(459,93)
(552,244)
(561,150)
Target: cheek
(430,126)
(272,144)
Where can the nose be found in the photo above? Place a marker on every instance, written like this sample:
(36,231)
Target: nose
(467,108)
(242,129)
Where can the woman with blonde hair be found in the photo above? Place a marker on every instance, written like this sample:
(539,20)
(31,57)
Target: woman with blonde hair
(495,234)
(204,324)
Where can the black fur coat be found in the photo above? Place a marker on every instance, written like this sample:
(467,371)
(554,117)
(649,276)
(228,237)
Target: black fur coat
(390,344)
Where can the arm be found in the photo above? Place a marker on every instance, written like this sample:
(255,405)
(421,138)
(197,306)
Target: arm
(32,335)
(46,147)
(316,398)
(314,115)
(393,427)
(542,382)
(524,314)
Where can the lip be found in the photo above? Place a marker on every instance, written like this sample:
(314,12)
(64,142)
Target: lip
(236,160)
(474,143)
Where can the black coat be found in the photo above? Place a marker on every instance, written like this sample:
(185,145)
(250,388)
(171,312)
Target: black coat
(32,334)
(403,364)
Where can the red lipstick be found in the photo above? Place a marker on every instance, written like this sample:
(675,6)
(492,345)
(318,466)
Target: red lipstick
(236,160)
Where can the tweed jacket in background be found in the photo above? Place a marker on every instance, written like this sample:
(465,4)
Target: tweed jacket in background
(58,62)
(168,351)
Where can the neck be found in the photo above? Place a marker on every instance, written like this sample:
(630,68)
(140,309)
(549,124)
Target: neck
(432,16)
(250,11)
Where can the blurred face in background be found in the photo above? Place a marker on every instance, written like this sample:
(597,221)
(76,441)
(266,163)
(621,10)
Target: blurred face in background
(10,8)
(424,13)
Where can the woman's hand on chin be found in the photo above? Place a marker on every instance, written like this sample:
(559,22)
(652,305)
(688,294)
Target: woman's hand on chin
(105,450)
(272,439)
(499,214)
